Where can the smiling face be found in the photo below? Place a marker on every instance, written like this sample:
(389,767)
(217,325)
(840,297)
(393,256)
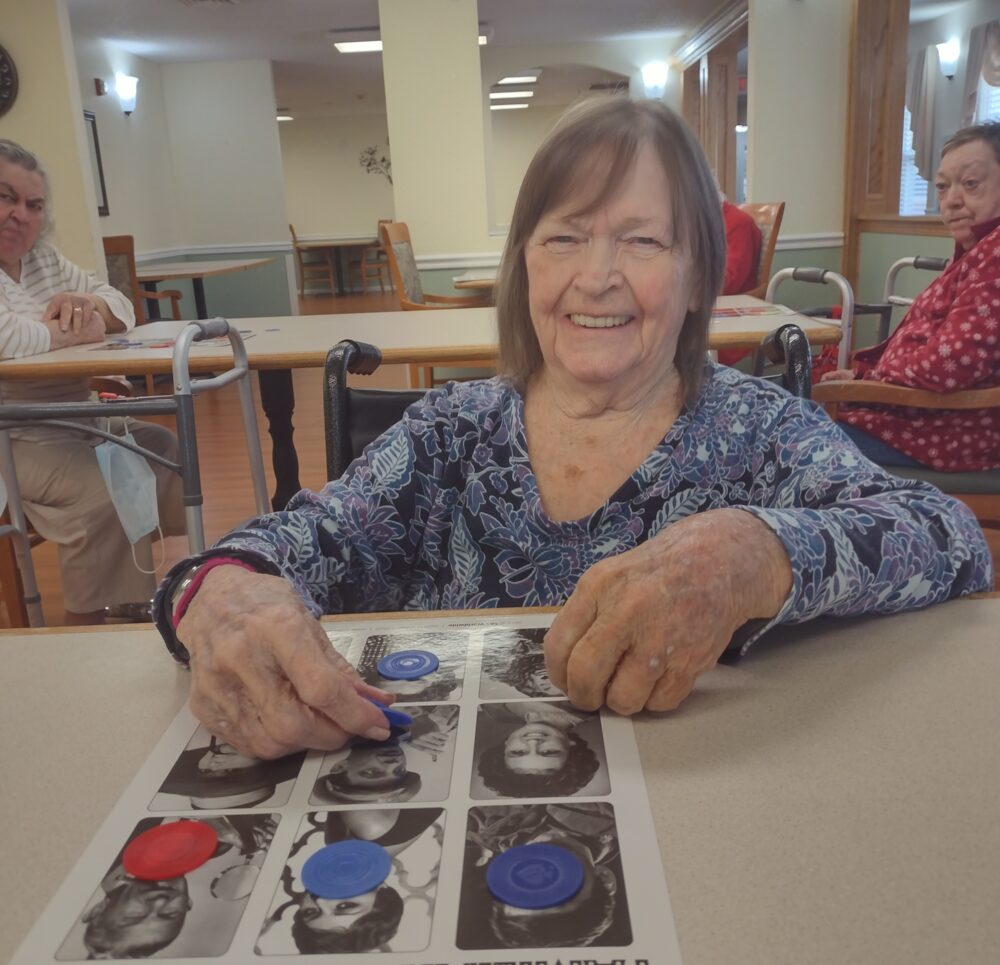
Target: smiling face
(536,748)
(139,913)
(22,214)
(968,189)
(374,766)
(609,290)
(335,914)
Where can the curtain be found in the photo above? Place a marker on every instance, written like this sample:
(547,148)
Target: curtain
(983,60)
(920,103)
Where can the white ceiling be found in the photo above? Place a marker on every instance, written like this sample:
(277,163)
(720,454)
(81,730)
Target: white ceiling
(311,77)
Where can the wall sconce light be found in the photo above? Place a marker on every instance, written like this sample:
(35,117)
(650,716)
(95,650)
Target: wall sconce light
(654,78)
(125,88)
(948,54)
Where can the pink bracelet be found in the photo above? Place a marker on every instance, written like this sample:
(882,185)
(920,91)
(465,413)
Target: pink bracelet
(189,591)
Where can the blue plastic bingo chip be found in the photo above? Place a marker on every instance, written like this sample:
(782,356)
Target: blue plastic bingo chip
(396,718)
(346,869)
(407,664)
(534,876)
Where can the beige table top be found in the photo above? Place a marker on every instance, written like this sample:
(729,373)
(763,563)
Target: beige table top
(443,336)
(336,243)
(481,279)
(830,800)
(196,269)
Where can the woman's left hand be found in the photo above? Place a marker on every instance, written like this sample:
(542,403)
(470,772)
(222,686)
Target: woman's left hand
(641,627)
(73,311)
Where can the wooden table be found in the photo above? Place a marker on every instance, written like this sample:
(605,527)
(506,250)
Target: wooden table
(481,279)
(197,271)
(334,250)
(831,799)
(277,345)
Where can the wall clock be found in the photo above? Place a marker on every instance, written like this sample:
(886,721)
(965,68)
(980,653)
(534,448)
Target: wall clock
(8,82)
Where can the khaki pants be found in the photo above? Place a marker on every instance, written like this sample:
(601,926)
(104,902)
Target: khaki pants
(67,501)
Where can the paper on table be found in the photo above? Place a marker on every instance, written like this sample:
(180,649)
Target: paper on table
(443,801)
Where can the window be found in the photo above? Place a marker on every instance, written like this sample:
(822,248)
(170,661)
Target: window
(987,102)
(912,187)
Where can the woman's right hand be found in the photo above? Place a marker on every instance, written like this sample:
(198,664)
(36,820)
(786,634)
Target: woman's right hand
(265,678)
(838,375)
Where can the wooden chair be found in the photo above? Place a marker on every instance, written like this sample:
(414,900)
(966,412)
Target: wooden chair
(395,237)
(979,490)
(767,215)
(312,270)
(372,264)
(119,254)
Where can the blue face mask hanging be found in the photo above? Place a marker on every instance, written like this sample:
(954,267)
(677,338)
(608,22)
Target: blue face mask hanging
(132,486)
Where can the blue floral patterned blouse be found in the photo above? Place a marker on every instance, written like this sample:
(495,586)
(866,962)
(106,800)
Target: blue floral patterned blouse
(443,510)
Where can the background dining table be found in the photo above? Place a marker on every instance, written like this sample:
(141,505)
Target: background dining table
(275,345)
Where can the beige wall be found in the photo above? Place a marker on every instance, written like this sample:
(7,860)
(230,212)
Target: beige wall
(46,118)
(135,150)
(516,136)
(328,191)
(434,104)
(797,110)
(223,141)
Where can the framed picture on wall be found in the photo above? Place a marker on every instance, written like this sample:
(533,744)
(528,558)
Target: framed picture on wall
(94,146)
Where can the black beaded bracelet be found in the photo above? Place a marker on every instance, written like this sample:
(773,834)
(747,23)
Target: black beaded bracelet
(166,593)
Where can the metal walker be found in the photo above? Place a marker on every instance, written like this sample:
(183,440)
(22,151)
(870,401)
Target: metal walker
(180,405)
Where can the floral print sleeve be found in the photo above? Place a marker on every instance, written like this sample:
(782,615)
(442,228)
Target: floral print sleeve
(443,511)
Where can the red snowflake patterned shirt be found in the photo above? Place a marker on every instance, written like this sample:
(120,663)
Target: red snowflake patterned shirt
(949,340)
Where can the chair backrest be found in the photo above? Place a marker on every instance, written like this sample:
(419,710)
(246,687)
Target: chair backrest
(395,237)
(355,417)
(767,216)
(119,255)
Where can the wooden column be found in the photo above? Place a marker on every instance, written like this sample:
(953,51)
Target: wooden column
(874,136)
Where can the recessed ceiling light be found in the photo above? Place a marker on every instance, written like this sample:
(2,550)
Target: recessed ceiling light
(502,94)
(284,117)
(508,107)
(373,46)
(358,46)
(517,80)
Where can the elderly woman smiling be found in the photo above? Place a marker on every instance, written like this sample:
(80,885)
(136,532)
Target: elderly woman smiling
(677,508)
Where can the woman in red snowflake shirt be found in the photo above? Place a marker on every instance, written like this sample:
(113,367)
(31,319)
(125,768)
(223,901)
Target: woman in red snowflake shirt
(949,339)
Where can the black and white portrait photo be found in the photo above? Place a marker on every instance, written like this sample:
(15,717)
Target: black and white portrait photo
(211,774)
(514,665)
(538,748)
(194,915)
(415,766)
(445,683)
(596,916)
(395,916)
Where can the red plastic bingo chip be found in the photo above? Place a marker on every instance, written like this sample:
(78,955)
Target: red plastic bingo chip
(169,850)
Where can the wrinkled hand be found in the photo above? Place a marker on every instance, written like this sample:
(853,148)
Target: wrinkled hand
(74,319)
(838,375)
(641,627)
(71,311)
(264,675)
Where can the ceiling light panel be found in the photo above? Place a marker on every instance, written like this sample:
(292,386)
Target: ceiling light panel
(497,95)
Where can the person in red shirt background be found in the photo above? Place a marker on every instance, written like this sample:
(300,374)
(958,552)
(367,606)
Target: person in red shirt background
(743,243)
(949,339)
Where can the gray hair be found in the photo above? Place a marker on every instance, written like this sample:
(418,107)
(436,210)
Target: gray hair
(596,143)
(988,132)
(13,153)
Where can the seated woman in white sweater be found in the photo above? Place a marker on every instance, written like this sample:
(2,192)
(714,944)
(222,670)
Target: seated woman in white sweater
(46,302)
